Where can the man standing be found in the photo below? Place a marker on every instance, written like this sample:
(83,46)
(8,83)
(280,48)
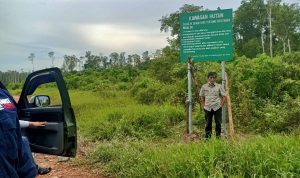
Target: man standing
(213,97)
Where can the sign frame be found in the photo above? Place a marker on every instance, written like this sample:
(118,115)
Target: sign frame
(206,36)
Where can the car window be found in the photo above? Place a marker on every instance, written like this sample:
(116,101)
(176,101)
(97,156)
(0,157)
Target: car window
(48,89)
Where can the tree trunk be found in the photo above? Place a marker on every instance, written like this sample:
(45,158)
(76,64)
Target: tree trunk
(283,46)
(262,40)
(32,66)
(270,25)
(289,45)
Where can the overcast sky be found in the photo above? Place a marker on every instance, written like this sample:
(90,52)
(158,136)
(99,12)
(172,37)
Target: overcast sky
(75,26)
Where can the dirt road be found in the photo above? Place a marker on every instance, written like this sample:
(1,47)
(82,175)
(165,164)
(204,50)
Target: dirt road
(64,169)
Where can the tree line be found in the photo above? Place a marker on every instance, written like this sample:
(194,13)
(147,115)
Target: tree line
(96,62)
(270,27)
(12,76)
(259,26)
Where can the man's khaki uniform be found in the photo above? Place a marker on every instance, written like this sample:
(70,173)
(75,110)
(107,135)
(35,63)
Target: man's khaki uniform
(212,94)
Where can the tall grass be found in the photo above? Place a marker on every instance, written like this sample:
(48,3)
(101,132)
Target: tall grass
(135,140)
(272,156)
(118,116)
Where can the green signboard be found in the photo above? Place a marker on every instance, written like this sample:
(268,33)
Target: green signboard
(206,35)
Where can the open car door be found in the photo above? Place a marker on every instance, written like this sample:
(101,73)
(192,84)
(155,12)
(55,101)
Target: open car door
(45,98)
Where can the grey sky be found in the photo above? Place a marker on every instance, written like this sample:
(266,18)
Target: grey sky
(75,26)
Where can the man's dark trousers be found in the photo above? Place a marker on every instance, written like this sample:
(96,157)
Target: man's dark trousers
(208,118)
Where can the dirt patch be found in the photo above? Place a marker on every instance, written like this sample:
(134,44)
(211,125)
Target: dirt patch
(65,169)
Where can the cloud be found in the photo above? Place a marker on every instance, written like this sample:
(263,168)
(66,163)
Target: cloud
(121,38)
(75,26)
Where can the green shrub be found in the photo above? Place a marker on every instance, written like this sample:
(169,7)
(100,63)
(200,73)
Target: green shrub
(101,131)
(292,58)
(258,87)
(137,122)
(15,86)
(274,156)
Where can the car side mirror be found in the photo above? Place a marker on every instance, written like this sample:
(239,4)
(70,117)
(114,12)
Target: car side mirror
(41,100)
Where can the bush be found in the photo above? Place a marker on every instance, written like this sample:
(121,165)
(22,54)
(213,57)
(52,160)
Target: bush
(258,86)
(273,156)
(292,58)
(138,123)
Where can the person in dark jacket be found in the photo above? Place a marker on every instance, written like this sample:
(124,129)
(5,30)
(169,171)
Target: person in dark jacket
(14,159)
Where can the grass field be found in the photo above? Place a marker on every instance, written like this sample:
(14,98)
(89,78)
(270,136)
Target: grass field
(134,140)
(272,156)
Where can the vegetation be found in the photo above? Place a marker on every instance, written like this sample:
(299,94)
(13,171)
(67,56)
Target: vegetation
(135,140)
(272,156)
(138,128)
(118,116)
(264,91)
(132,109)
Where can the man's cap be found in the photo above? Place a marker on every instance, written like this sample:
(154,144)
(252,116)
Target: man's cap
(212,74)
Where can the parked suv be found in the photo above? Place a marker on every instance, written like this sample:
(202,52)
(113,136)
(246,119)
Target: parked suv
(59,136)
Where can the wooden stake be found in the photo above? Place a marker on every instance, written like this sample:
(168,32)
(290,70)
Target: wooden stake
(230,121)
